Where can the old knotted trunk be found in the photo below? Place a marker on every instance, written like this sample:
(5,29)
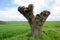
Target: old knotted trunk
(37,22)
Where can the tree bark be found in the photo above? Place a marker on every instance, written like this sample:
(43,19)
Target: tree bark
(37,22)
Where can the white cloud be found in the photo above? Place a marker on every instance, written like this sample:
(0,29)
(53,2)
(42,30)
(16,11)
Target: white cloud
(11,14)
(27,2)
(57,2)
(39,5)
(55,10)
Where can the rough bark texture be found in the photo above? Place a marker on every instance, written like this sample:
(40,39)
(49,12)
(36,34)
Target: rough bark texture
(37,22)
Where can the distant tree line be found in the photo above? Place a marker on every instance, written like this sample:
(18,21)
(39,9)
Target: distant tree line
(2,22)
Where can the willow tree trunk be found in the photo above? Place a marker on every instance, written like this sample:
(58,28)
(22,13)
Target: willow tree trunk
(36,22)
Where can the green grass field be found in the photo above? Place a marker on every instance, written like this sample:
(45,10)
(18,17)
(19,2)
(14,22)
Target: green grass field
(19,31)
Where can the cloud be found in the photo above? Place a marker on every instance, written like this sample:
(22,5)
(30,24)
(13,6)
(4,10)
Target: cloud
(11,15)
(55,10)
(38,4)
(57,2)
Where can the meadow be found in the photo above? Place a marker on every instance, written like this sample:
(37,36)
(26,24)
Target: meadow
(20,30)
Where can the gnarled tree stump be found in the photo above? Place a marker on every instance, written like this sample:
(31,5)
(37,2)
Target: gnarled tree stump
(37,22)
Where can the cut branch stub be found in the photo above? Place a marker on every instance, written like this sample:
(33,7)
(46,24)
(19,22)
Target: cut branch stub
(41,18)
(26,11)
(44,15)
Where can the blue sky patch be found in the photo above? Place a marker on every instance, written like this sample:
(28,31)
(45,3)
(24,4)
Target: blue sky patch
(6,4)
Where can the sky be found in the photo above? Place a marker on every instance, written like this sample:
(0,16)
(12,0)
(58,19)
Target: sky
(9,9)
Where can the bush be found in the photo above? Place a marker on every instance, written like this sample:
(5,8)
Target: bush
(2,22)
